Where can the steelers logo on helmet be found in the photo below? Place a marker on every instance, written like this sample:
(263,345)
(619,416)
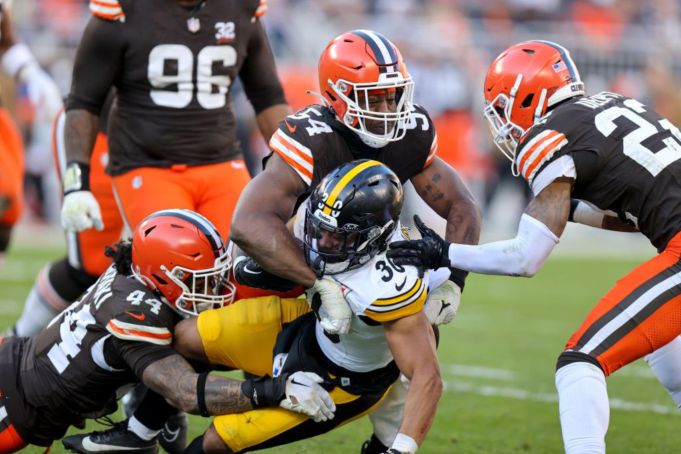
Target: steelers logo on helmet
(350,216)
(363,79)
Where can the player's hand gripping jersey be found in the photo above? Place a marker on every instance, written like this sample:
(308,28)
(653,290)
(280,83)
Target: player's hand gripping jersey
(623,156)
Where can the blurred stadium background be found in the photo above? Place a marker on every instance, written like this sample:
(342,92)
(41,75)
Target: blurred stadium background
(498,356)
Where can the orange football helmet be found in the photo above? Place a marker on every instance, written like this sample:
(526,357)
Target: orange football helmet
(522,84)
(355,65)
(180,254)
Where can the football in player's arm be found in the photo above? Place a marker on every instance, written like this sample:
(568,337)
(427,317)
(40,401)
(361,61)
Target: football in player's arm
(343,227)
(121,332)
(603,160)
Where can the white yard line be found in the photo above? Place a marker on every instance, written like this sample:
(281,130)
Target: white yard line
(523,394)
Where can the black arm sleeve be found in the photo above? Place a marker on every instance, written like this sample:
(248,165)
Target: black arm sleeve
(259,73)
(249,272)
(98,62)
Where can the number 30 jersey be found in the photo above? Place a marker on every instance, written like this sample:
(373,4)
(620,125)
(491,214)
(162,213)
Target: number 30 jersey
(97,345)
(173,68)
(627,159)
(377,292)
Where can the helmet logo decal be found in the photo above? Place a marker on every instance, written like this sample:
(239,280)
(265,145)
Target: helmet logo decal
(331,201)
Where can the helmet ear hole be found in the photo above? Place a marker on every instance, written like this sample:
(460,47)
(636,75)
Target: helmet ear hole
(159,279)
(527,102)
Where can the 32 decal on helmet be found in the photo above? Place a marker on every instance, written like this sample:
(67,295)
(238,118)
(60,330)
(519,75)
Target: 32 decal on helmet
(360,70)
(521,85)
(350,216)
(180,254)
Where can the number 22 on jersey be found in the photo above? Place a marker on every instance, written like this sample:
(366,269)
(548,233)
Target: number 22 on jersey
(632,143)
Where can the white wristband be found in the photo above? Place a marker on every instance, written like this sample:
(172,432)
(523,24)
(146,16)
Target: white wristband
(17,57)
(404,444)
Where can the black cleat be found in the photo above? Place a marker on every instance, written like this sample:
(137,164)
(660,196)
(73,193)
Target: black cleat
(373,446)
(116,439)
(173,437)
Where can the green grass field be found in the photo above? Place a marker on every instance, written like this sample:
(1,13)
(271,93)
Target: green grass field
(497,359)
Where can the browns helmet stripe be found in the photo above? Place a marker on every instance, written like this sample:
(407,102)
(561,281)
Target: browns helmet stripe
(203,224)
(565,55)
(382,48)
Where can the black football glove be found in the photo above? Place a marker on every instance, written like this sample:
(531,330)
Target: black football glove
(430,252)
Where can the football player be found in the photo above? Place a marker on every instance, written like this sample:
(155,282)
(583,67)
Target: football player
(603,160)
(344,228)
(171,131)
(121,332)
(18,61)
(61,282)
(366,111)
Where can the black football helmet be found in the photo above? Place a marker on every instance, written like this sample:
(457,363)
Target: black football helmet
(351,215)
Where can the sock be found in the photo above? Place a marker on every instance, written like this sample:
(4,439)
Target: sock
(584,408)
(153,411)
(665,363)
(142,431)
(42,305)
(195,447)
(387,417)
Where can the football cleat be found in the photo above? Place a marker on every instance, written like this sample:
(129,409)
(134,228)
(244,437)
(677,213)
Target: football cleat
(173,436)
(116,439)
(373,446)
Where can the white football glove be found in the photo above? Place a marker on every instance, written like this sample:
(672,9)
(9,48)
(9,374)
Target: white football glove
(443,303)
(335,314)
(42,92)
(80,211)
(304,395)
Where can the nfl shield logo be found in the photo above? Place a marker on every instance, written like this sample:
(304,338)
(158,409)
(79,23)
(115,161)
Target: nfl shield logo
(193,24)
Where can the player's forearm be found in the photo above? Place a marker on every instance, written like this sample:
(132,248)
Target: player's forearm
(174,379)
(80,133)
(424,393)
(266,239)
(463,222)
(523,255)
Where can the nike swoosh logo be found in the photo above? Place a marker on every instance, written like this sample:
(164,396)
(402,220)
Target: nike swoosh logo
(91,446)
(401,286)
(293,381)
(250,271)
(139,316)
(291,129)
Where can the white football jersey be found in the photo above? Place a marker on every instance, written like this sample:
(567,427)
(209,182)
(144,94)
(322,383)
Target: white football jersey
(377,292)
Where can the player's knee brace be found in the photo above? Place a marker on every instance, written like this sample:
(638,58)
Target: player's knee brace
(569,357)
